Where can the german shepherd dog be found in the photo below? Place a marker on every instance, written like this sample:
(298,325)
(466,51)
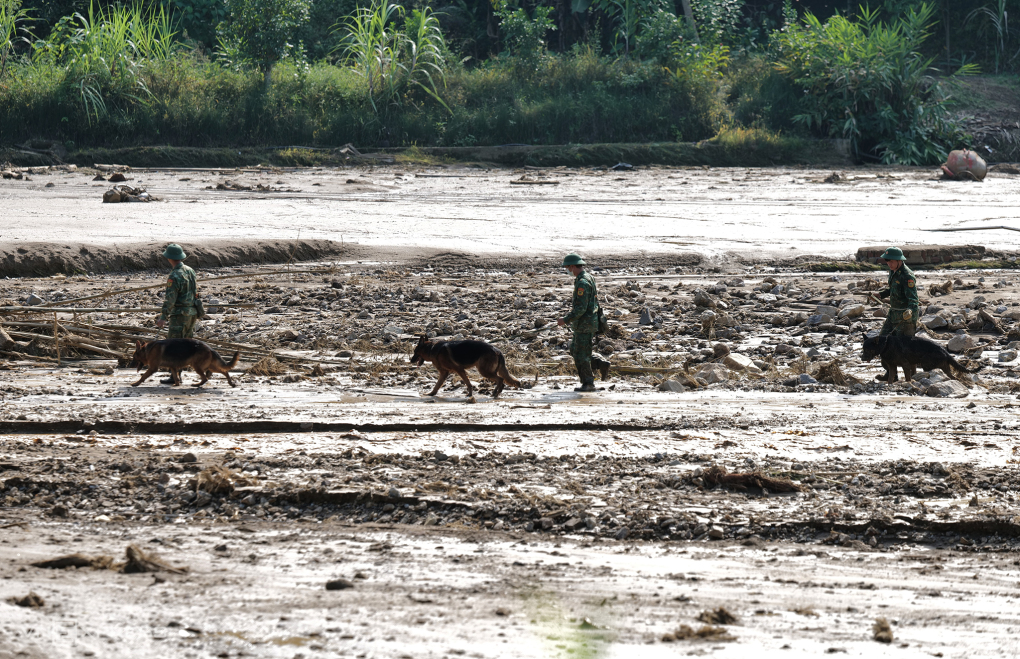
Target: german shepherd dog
(908,351)
(178,354)
(458,356)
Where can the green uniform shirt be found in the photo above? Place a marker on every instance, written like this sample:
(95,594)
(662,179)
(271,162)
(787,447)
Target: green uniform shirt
(902,291)
(583,316)
(181,288)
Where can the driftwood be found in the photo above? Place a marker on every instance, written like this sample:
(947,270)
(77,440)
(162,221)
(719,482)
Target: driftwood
(717,475)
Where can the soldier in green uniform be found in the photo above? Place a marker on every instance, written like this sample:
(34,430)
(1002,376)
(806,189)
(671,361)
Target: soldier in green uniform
(902,293)
(181,289)
(584,321)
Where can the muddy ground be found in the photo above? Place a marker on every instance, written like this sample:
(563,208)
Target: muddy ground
(741,456)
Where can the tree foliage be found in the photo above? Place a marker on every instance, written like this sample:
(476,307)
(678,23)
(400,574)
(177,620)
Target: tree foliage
(868,82)
(260,33)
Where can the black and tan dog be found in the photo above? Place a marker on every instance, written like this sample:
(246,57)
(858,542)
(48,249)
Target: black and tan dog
(178,354)
(458,356)
(908,352)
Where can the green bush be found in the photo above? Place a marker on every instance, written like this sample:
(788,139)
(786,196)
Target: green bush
(868,82)
(579,99)
(759,96)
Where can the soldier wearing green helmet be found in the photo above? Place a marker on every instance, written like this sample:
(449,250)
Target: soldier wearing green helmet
(902,293)
(179,308)
(584,321)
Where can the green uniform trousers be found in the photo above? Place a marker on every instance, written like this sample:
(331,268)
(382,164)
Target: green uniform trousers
(895,324)
(181,327)
(580,349)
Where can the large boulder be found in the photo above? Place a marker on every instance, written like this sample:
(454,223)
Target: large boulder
(933,321)
(826,310)
(948,389)
(672,385)
(738,362)
(713,373)
(961,343)
(965,165)
(852,311)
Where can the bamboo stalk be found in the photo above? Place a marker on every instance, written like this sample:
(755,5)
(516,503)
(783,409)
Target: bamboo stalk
(22,355)
(56,339)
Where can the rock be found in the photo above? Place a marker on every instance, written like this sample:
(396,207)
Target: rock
(345,353)
(573,524)
(738,362)
(31,600)
(394,493)
(112,197)
(393,329)
(672,385)
(365,315)
(607,347)
(293,301)
(202,498)
(716,533)
(720,350)
(339,584)
(703,299)
(766,298)
(826,310)
(933,321)
(804,378)
(713,373)
(948,389)
(622,533)
(1007,355)
(852,311)
(961,342)
(187,458)
(819,319)
(647,317)
(540,323)
(58,511)
(33,300)
(545,523)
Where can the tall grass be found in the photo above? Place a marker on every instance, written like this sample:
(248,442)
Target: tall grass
(102,54)
(12,21)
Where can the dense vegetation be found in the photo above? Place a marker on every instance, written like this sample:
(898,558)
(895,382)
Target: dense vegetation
(469,72)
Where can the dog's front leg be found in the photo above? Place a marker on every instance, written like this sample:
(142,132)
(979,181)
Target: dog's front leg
(145,376)
(439,384)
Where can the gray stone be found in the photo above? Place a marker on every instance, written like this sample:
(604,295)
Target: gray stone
(804,378)
(961,342)
(393,329)
(1007,355)
(852,311)
(647,317)
(33,300)
(672,385)
(948,389)
(716,533)
(932,321)
(766,298)
(702,299)
(188,458)
(394,493)
(738,362)
(713,373)
(826,310)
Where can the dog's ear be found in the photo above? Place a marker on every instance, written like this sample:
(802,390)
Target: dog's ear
(422,338)
(138,344)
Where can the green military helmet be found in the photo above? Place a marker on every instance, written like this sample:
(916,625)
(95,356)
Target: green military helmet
(893,254)
(174,251)
(572,259)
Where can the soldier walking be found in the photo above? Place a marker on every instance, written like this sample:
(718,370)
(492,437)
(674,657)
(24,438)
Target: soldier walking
(179,309)
(902,293)
(584,322)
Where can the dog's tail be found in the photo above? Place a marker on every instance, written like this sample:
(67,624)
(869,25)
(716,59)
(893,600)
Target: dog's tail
(505,374)
(957,365)
(223,365)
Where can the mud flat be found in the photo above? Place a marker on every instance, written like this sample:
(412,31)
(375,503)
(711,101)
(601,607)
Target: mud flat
(741,456)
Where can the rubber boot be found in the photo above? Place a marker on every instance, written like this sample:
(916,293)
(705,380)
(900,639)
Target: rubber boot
(586,386)
(602,366)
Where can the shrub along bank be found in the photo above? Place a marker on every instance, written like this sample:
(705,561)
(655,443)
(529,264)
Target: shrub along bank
(187,102)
